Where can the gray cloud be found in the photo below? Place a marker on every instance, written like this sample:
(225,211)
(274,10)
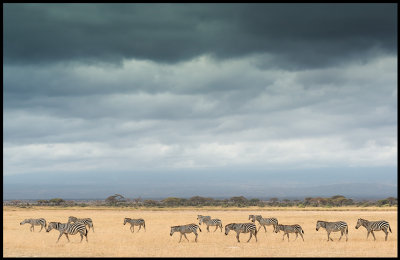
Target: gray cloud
(165,88)
(293,35)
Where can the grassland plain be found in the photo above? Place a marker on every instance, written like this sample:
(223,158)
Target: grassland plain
(112,239)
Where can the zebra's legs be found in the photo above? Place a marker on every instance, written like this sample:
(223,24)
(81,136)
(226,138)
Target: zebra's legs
(140,226)
(216,227)
(32,228)
(372,232)
(81,237)
(208,228)
(296,236)
(41,227)
(368,234)
(132,229)
(186,237)
(195,240)
(93,228)
(251,234)
(386,233)
(180,238)
(341,234)
(265,229)
(67,236)
(329,238)
(302,236)
(237,237)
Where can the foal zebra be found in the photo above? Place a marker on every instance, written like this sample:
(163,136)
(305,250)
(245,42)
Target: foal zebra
(87,221)
(183,229)
(242,228)
(35,222)
(333,227)
(69,229)
(135,222)
(211,222)
(289,229)
(372,226)
(263,221)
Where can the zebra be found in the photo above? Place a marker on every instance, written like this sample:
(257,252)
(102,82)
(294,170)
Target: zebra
(372,226)
(289,229)
(334,227)
(242,228)
(263,221)
(87,221)
(69,228)
(199,217)
(135,222)
(211,222)
(183,229)
(35,222)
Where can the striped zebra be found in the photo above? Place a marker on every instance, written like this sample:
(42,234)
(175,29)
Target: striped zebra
(289,229)
(199,217)
(135,222)
(372,226)
(183,229)
(87,221)
(69,229)
(333,227)
(35,222)
(263,221)
(242,228)
(211,222)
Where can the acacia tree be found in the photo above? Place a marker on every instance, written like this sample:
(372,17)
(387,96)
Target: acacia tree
(115,199)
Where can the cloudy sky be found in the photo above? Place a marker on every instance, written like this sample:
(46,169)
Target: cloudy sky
(185,94)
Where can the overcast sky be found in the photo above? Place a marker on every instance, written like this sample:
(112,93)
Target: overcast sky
(133,89)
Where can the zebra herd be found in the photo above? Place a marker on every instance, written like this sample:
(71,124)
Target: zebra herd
(72,227)
(77,225)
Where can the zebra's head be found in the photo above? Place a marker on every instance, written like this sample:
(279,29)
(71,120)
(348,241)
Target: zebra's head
(23,222)
(228,228)
(360,222)
(278,228)
(71,219)
(125,220)
(201,220)
(173,230)
(319,224)
(51,226)
(252,218)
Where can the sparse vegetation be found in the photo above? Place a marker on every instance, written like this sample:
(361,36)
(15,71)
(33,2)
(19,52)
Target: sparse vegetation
(119,200)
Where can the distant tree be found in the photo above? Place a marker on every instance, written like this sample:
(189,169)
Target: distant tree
(57,201)
(115,199)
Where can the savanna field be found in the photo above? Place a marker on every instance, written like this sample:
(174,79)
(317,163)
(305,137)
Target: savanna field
(112,239)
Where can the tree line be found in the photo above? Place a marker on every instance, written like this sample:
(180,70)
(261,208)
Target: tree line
(118,200)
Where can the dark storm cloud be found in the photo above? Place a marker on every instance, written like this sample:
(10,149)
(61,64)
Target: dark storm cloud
(293,35)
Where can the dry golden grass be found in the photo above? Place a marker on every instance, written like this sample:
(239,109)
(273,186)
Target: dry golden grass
(112,239)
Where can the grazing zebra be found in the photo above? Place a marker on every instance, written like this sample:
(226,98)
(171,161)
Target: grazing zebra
(289,229)
(263,221)
(199,217)
(69,229)
(87,221)
(183,229)
(35,222)
(333,227)
(135,222)
(242,228)
(372,226)
(211,222)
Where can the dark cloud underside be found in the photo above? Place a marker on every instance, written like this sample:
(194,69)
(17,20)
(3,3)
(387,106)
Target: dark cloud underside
(295,35)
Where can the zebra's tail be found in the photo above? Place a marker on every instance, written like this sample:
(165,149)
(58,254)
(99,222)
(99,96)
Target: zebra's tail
(347,230)
(390,229)
(200,229)
(302,231)
(144,224)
